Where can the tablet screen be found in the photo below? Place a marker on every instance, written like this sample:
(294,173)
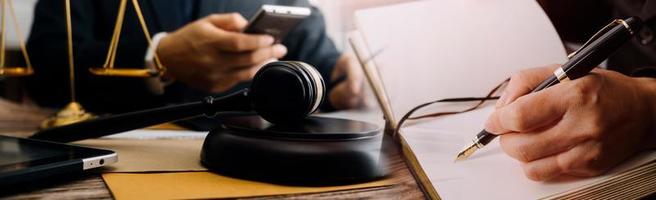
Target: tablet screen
(16,153)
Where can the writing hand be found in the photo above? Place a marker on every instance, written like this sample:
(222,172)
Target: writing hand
(580,128)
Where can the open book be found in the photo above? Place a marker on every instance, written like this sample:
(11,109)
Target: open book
(428,50)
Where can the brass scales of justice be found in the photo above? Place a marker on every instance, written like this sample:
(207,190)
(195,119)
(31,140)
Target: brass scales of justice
(11,71)
(74,112)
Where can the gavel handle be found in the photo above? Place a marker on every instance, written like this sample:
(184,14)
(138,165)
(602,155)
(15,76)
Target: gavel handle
(113,124)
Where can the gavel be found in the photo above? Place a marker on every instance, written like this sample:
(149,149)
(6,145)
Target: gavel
(281,92)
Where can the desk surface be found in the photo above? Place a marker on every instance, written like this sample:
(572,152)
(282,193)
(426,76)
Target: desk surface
(91,186)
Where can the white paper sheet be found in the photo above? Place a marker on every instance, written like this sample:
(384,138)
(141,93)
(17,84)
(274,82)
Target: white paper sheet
(490,173)
(455,48)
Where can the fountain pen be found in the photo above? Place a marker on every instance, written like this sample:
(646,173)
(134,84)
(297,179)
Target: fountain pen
(580,63)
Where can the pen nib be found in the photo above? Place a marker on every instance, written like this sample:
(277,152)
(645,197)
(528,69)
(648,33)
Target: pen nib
(466,152)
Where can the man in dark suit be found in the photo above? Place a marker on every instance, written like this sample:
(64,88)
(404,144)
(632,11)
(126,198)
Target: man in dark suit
(205,52)
(585,126)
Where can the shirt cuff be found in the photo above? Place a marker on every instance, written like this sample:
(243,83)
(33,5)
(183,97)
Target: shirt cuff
(149,59)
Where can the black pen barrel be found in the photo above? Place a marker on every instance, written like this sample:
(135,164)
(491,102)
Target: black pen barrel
(590,56)
(485,137)
(551,81)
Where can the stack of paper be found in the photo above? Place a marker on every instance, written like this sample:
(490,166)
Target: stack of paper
(461,48)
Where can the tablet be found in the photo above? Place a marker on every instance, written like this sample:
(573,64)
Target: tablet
(25,160)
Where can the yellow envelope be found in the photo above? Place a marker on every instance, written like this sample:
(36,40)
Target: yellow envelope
(203,185)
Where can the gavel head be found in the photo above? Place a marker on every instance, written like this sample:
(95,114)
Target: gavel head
(286,91)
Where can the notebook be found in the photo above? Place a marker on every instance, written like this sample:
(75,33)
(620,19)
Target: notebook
(428,50)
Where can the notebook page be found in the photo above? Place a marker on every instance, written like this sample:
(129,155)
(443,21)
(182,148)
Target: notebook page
(490,173)
(454,48)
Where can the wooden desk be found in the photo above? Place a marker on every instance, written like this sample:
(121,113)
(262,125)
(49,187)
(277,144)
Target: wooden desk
(91,186)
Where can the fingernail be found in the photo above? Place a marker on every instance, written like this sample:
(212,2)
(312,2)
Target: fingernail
(279,50)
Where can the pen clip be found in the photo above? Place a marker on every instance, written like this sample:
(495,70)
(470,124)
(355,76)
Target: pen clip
(601,32)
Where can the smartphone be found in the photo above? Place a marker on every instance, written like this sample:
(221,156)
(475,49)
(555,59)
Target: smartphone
(276,21)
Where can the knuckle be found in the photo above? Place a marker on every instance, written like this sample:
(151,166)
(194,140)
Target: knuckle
(591,163)
(248,59)
(213,16)
(584,92)
(595,130)
(564,166)
(253,58)
(516,117)
(517,77)
(519,152)
(233,16)
(211,80)
(578,90)
(522,153)
(505,145)
(237,45)
(532,173)
(576,137)
(206,60)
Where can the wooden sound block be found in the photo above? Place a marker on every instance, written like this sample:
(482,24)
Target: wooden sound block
(316,151)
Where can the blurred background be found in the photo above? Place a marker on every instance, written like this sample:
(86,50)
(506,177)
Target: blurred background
(338,13)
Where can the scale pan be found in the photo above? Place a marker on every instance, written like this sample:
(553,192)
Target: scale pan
(15,71)
(126,72)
